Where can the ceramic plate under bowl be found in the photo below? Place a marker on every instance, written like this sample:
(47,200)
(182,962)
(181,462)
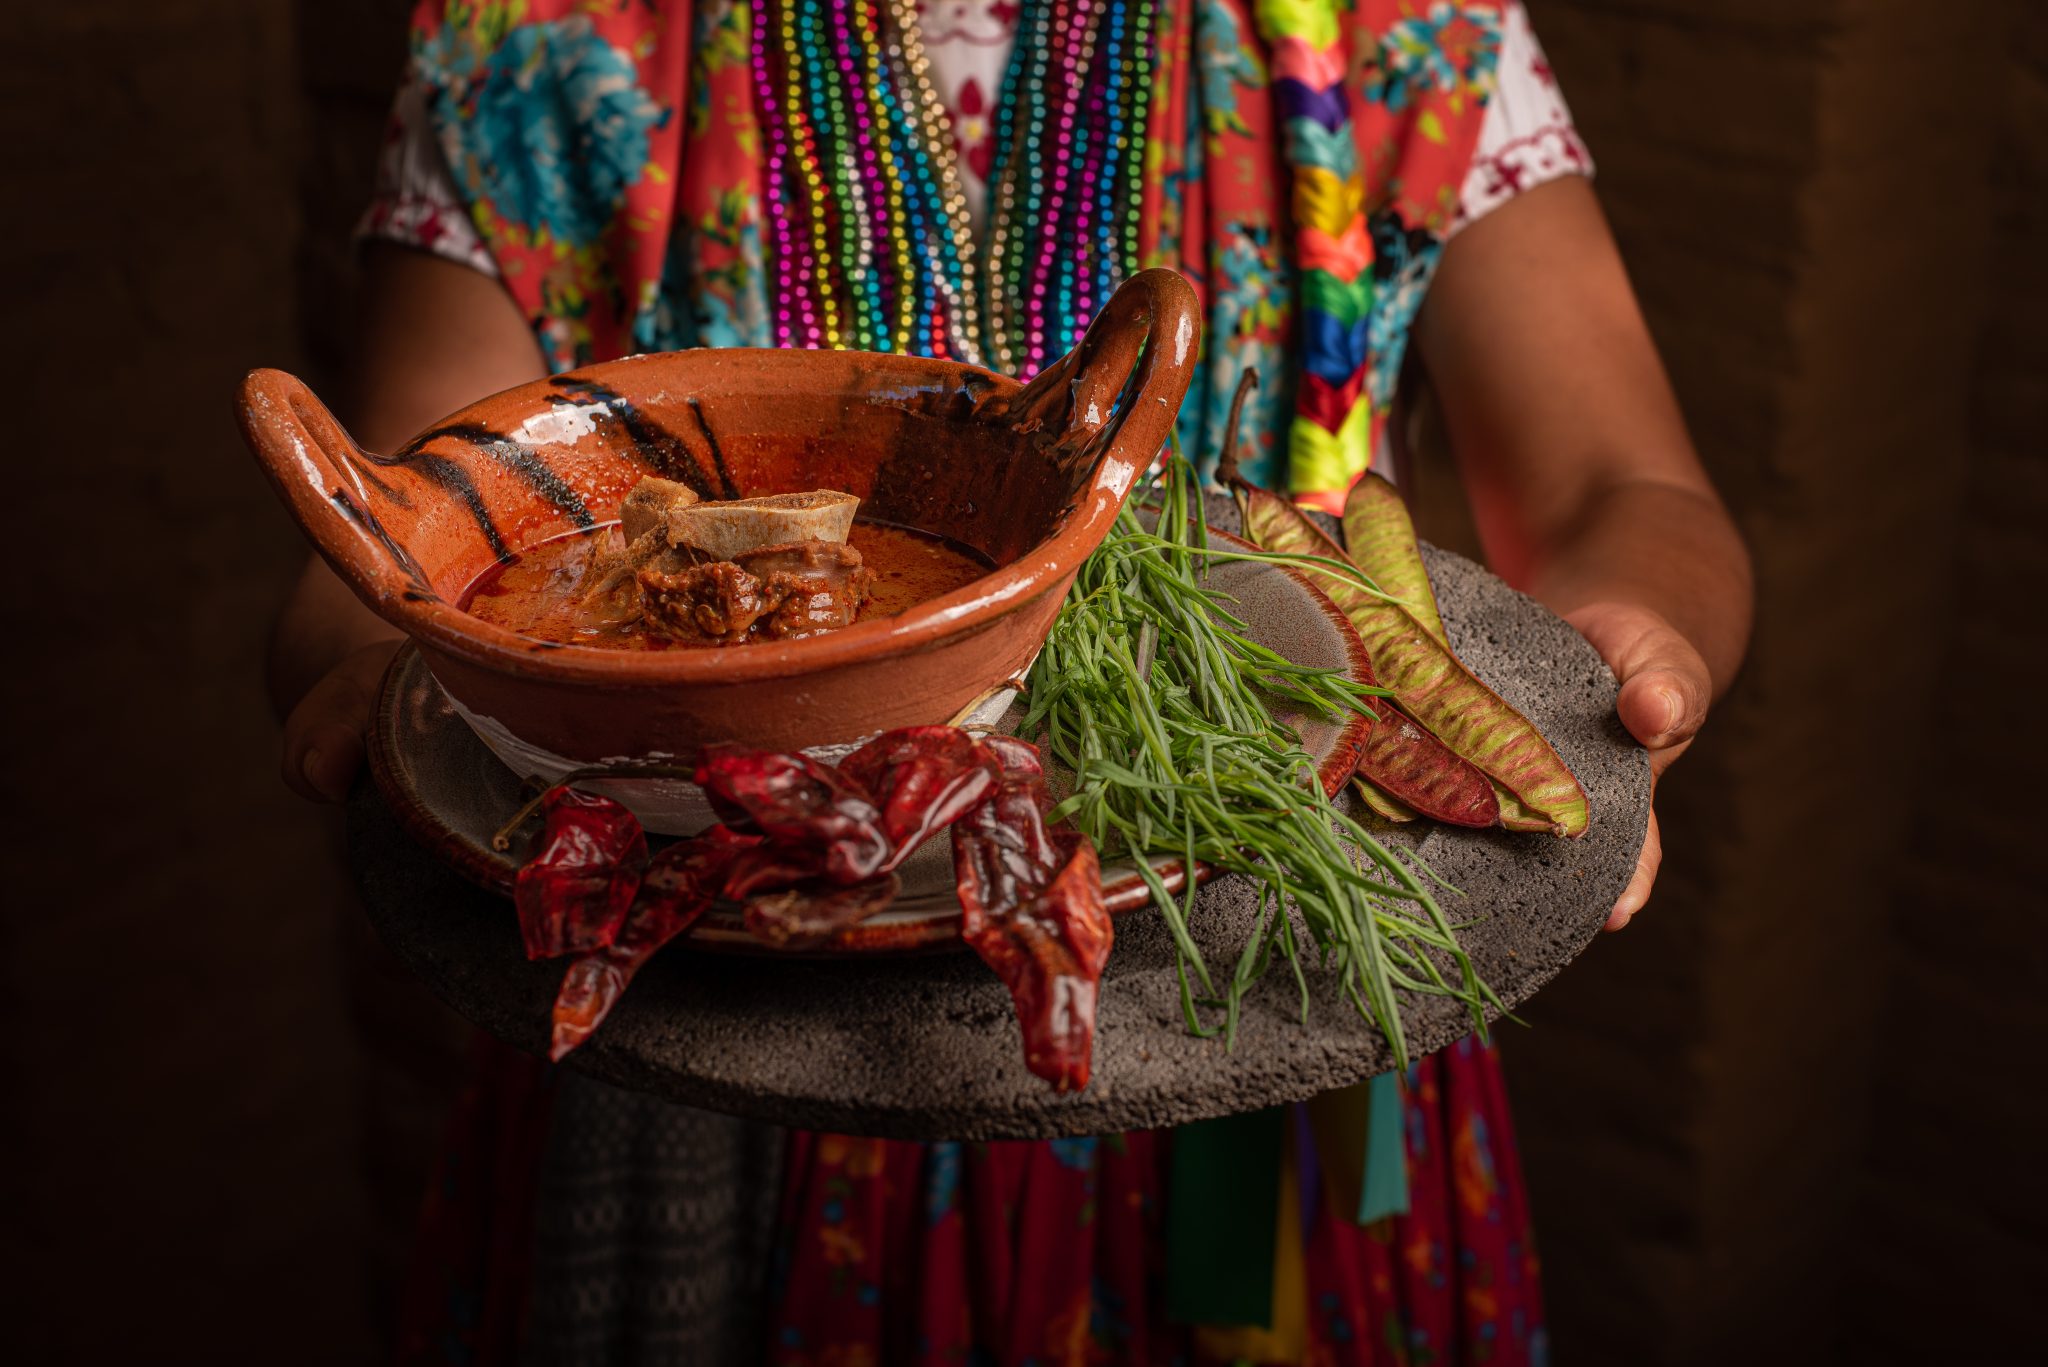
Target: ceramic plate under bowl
(452,793)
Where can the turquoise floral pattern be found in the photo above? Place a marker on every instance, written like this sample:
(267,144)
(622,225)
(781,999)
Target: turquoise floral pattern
(1404,262)
(554,122)
(1078,1154)
(1243,315)
(1449,49)
(941,1181)
(1225,63)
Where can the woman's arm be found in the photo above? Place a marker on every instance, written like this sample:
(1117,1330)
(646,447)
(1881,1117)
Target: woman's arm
(1584,486)
(435,336)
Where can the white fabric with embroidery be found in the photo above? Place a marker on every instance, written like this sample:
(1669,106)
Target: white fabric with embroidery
(1527,136)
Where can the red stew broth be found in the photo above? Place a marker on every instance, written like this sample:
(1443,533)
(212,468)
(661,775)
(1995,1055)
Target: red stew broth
(538,592)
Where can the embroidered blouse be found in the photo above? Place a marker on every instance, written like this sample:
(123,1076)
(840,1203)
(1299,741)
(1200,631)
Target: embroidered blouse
(1526,138)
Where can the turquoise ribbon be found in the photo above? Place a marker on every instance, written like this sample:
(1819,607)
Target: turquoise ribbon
(1383,1190)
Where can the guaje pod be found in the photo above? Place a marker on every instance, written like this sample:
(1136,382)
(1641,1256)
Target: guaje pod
(1383,804)
(1380,537)
(1434,686)
(1407,771)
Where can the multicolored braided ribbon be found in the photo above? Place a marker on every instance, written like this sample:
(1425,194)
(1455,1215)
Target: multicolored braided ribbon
(1329,443)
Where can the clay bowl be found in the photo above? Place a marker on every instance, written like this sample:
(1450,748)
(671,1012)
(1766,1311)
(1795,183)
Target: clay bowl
(1031,476)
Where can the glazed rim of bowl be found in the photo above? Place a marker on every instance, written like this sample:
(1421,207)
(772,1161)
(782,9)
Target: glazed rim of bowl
(439,624)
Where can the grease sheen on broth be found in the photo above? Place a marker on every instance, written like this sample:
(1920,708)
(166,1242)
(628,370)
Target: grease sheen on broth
(537,592)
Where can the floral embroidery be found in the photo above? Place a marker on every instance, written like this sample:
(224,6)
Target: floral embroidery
(1404,259)
(1449,49)
(973,133)
(941,1181)
(1226,64)
(554,130)
(968,43)
(1078,1154)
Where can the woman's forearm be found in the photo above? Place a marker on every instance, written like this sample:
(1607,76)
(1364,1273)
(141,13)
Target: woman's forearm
(434,337)
(1583,483)
(1656,545)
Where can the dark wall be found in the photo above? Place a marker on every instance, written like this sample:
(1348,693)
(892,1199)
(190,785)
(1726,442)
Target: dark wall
(1954,1208)
(1798,1087)
(180,1173)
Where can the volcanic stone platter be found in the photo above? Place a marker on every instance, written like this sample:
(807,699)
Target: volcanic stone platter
(927,1046)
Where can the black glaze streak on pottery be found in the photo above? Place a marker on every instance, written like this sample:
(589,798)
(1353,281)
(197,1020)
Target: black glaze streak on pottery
(456,480)
(662,450)
(717,451)
(400,557)
(521,460)
(367,472)
(975,385)
(928,1047)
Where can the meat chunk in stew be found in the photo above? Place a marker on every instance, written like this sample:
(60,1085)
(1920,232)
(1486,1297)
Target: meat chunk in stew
(779,592)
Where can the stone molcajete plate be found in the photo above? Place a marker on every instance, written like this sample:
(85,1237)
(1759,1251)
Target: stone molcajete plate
(928,1046)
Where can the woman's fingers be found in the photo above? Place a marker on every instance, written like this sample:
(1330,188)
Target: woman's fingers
(323,737)
(1663,699)
(1640,709)
(1665,691)
(1665,686)
(1639,884)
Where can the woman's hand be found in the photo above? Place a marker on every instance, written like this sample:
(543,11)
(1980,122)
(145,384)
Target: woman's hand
(327,656)
(1665,692)
(325,735)
(1584,486)
(435,335)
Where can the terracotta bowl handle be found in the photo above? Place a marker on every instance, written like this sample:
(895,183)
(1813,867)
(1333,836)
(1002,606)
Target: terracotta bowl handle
(1145,340)
(319,470)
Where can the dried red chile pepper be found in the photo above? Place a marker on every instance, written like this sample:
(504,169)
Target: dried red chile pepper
(925,778)
(679,886)
(807,915)
(573,893)
(1010,850)
(1031,904)
(822,822)
(810,849)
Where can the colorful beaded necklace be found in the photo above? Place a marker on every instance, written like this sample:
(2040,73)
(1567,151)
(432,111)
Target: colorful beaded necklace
(869,243)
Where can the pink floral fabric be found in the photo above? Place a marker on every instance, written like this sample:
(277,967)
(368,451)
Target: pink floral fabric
(1053,1254)
(1526,137)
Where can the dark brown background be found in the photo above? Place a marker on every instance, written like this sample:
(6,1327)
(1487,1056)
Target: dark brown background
(1794,1115)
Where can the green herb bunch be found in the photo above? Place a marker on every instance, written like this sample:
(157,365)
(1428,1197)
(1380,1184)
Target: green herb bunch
(1151,691)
